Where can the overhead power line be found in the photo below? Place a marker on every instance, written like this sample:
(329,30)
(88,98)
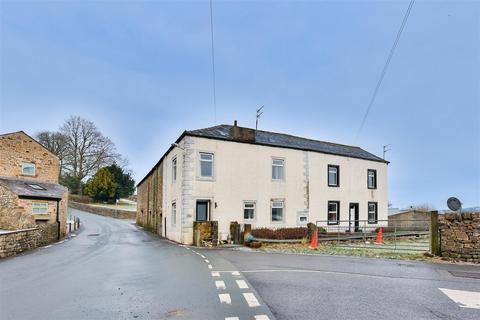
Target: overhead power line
(385,67)
(213,65)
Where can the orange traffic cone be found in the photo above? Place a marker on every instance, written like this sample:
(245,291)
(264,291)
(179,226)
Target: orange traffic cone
(379,237)
(313,245)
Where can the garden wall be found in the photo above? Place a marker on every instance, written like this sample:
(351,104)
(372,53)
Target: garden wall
(16,241)
(460,236)
(103,211)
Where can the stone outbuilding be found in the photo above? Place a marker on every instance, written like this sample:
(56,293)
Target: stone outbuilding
(30,196)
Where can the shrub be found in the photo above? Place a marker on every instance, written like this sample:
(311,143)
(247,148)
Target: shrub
(281,233)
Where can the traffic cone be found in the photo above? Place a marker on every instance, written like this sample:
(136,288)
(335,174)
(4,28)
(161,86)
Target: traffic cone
(379,237)
(313,245)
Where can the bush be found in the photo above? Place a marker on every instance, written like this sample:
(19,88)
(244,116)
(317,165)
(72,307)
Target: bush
(281,233)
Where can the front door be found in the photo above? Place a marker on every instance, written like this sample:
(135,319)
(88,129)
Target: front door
(202,210)
(353,217)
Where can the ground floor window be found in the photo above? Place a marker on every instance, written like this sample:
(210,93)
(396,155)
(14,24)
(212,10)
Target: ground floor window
(40,208)
(302,219)
(249,210)
(372,212)
(333,215)
(277,210)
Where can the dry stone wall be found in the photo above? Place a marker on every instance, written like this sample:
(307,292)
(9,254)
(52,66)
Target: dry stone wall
(102,211)
(14,242)
(460,236)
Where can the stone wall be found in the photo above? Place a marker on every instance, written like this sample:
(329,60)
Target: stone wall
(18,147)
(14,242)
(205,231)
(150,201)
(102,211)
(460,236)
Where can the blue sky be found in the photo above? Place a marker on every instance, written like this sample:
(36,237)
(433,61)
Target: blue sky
(142,72)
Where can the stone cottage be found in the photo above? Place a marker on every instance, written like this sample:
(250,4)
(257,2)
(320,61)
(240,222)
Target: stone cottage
(30,196)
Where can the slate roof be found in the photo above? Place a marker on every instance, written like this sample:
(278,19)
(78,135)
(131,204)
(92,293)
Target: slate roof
(22,188)
(223,132)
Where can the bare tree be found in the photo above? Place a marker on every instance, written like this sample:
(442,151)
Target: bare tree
(87,149)
(56,143)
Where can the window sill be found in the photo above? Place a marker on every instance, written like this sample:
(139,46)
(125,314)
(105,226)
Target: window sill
(278,180)
(41,216)
(334,186)
(372,188)
(333,223)
(372,222)
(205,179)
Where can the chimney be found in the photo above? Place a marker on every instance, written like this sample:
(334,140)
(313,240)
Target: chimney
(242,134)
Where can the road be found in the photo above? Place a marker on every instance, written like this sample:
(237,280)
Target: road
(115,270)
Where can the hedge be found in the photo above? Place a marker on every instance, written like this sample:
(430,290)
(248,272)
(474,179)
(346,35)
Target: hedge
(280,233)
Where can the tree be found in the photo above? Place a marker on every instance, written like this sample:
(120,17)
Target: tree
(82,148)
(101,186)
(56,143)
(125,185)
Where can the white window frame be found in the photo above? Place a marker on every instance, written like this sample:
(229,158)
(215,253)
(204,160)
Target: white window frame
(375,212)
(272,206)
(26,165)
(41,207)
(254,210)
(337,175)
(373,173)
(200,165)
(337,204)
(277,165)
(174,169)
(174,214)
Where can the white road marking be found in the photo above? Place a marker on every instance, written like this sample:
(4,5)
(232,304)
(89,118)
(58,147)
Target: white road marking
(201,255)
(47,246)
(210,266)
(262,317)
(215,274)
(207,261)
(242,284)
(231,318)
(225,298)
(220,285)
(235,273)
(251,300)
(464,299)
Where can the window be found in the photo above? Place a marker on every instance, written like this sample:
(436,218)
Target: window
(174,213)
(278,166)
(333,212)
(40,208)
(372,212)
(174,169)
(333,175)
(277,211)
(372,179)
(248,210)
(302,219)
(35,186)
(28,169)
(206,165)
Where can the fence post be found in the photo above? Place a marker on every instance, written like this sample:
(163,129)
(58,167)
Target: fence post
(435,246)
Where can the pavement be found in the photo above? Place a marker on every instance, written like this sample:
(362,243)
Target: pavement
(115,270)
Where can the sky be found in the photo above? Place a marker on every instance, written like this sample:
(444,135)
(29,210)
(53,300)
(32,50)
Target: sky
(141,71)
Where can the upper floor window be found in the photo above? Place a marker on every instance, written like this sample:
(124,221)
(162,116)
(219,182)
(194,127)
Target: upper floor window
(278,168)
(372,179)
(249,210)
(28,169)
(206,165)
(333,216)
(174,169)
(372,212)
(277,210)
(333,175)
(40,208)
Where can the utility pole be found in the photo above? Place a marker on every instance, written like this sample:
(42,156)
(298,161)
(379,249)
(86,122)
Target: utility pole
(385,150)
(259,113)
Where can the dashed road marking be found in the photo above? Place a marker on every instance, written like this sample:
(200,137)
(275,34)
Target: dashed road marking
(201,255)
(235,273)
(225,298)
(207,261)
(251,300)
(242,284)
(262,317)
(210,266)
(464,299)
(220,285)
(215,274)
(232,318)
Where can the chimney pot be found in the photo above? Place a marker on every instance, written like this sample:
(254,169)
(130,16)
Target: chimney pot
(235,123)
